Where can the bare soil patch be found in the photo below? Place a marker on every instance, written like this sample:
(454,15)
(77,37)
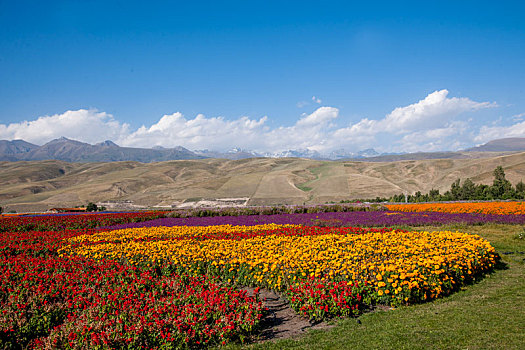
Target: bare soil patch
(281,320)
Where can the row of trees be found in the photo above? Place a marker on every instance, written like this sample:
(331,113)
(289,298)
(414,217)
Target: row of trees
(501,188)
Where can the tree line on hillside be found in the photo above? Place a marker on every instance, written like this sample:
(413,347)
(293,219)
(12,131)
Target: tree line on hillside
(501,188)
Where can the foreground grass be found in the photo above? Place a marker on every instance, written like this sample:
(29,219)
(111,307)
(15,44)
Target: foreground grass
(487,315)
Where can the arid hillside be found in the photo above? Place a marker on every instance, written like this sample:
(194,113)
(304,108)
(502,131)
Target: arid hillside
(39,185)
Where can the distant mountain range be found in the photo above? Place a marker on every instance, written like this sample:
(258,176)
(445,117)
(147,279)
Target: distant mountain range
(489,149)
(233,154)
(75,151)
(511,144)
(238,153)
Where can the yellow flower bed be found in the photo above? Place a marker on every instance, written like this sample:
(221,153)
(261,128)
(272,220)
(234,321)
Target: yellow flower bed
(161,232)
(398,267)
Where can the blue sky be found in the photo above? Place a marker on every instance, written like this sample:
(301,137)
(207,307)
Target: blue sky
(267,76)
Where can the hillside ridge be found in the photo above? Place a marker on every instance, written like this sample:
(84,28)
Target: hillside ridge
(40,185)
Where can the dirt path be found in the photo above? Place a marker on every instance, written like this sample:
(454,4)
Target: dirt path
(282,321)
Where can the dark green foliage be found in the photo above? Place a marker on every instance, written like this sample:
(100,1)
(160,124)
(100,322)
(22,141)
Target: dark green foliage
(468,190)
(501,187)
(433,195)
(91,207)
(520,190)
(373,200)
(455,190)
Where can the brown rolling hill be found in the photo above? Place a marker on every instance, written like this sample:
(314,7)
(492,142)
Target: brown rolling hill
(510,144)
(39,185)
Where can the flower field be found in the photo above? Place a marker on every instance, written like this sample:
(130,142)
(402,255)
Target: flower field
(493,208)
(49,301)
(65,284)
(393,267)
(51,222)
(362,219)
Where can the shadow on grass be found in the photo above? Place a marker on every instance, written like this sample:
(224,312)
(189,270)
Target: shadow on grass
(500,265)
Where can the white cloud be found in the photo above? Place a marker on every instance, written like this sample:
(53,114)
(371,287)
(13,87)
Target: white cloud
(310,132)
(175,129)
(321,116)
(449,137)
(487,133)
(433,115)
(201,132)
(314,99)
(218,133)
(433,123)
(433,111)
(86,125)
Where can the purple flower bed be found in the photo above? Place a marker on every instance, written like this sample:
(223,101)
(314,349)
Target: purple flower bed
(377,218)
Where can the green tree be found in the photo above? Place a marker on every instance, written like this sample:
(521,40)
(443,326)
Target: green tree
(397,198)
(91,207)
(482,192)
(455,190)
(520,190)
(501,187)
(434,195)
(468,190)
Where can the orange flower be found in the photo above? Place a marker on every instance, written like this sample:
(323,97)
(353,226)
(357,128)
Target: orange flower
(498,208)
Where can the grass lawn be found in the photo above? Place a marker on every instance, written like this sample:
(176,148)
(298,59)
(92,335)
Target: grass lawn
(489,314)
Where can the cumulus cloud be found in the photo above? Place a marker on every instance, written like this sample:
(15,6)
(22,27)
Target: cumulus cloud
(422,122)
(311,132)
(320,117)
(86,125)
(197,133)
(434,111)
(488,133)
(433,123)
(218,133)
(430,112)
(448,137)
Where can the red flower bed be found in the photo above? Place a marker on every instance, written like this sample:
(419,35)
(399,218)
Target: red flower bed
(80,221)
(53,302)
(319,300)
